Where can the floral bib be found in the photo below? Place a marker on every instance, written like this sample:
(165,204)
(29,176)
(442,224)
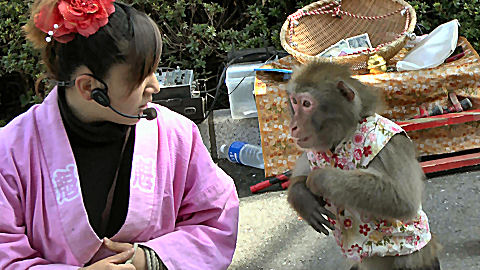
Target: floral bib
(358,234)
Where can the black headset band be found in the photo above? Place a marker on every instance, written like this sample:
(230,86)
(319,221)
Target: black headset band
(72,82)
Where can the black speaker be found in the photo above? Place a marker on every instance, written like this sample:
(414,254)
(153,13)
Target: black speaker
(100,96)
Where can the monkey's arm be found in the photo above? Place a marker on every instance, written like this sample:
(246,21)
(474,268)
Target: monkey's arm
(391,186)
(307,205)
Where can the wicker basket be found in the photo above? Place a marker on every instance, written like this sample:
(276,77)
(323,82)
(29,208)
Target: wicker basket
(314,28)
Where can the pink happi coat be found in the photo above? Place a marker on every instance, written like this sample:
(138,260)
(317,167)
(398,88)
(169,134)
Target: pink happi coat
(181,204)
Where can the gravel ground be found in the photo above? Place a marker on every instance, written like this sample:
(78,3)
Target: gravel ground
(272,237)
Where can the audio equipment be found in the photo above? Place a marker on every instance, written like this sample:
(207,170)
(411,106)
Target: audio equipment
(178,93)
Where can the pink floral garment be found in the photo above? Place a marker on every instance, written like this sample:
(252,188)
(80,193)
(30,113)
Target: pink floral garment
(358,234)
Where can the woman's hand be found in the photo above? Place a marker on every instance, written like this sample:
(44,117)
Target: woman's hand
(114,262)
(139,260)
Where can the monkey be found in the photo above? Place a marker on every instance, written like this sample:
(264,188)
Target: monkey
(358,175)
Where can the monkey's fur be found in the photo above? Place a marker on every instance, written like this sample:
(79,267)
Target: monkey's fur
(390,187)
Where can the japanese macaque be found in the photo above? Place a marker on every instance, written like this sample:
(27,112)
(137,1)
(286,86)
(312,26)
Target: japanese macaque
(359,175)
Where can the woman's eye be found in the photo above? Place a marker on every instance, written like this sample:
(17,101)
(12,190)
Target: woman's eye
(294,101)
(306,103)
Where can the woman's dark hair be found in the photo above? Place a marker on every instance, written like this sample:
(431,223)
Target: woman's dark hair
(130,37)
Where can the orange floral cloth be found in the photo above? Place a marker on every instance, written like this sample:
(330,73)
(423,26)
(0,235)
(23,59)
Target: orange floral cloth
(403,93)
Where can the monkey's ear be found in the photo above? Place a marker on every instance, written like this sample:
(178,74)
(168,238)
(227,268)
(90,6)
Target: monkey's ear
(346,91)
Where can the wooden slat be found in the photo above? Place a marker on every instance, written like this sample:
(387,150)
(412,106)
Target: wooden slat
(440,120)
(450,163)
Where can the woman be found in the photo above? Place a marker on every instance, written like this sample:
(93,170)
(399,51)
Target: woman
(85,181)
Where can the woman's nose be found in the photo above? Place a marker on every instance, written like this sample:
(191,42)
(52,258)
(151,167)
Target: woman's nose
(156,89)
(154,84)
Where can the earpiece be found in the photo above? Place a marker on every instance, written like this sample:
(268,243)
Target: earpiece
(100,96)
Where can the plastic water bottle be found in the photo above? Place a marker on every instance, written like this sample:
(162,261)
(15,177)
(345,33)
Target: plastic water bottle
(244,153)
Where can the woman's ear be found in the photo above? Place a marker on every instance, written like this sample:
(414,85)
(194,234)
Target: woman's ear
(84,84)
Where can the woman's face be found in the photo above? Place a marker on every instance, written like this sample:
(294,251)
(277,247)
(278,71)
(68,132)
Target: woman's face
(127,100)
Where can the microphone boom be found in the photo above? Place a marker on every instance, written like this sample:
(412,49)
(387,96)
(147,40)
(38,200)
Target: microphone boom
(148,113)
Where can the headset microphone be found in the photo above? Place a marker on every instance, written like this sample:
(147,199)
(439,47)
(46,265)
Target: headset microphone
(150,113)
(101,97)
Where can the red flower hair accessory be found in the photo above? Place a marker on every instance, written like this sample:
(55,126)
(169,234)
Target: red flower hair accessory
(69,17)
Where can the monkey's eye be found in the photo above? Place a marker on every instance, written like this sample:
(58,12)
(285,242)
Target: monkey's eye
(306,103)
(294,100)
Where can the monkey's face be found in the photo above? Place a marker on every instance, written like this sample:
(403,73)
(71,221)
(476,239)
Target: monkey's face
(321,115)
(325,105)
(304,127)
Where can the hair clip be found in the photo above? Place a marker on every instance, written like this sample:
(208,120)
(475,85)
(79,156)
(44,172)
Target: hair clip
(51,32)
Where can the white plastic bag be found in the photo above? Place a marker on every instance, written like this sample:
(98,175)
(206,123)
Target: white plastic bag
(433,50)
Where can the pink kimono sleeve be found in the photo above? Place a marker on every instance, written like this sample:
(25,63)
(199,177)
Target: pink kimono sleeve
(15,249)
(206,228)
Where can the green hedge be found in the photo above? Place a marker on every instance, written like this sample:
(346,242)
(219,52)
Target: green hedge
(198,34)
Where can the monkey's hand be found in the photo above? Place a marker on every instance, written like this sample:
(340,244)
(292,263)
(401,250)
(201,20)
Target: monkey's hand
(309,207)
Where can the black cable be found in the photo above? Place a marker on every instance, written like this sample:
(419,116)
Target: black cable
(219,84)
(207,91)
(222,78)
(247,76)
(228,94)
(214,89)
